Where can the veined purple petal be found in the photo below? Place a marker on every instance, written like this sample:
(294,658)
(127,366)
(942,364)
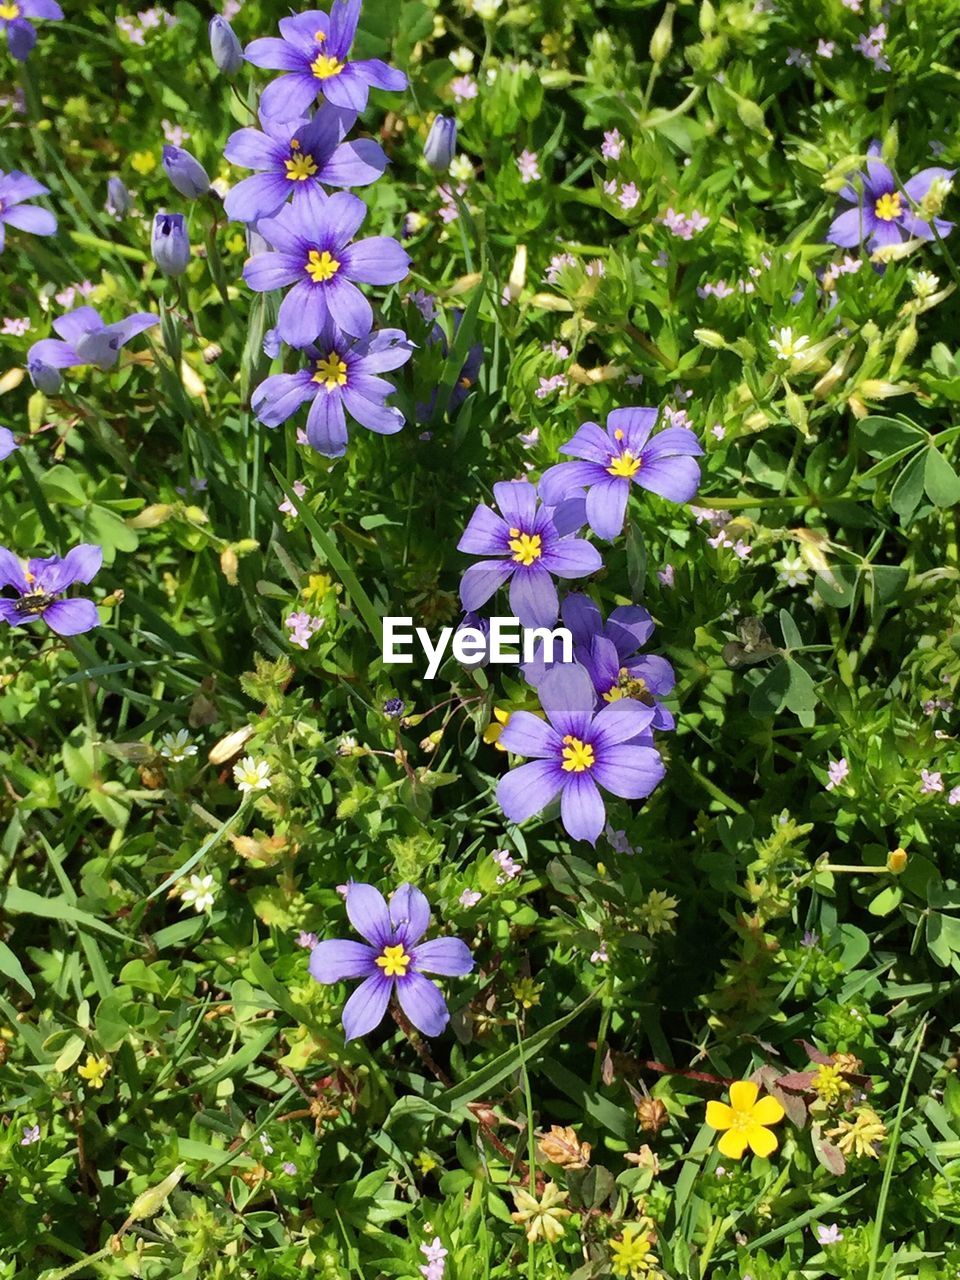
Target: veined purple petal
(261,195)
(348,89)
(344,17)
(591,443)
(272,271)
(481,580)
(327,426)
(74,324)
(366,1007)
(655,671)
(369,915)
(568,698)
(252,149)
(581,617)
(409,914)
(288,96)
(281,395)
(53,352)
(139,322)
(602,662)
(618,722)
(636,425)
(354,164)
(629,626)
(607,506)
(370,411)
(71,617)
(572,558)
(342,217)
(300,30)
(517,500)
(877,181)
(302,313)
(673,442)
(570,515)
(341,958)
(30,217)
(530,788)
(450,957)
(527,735)
(565,478)
(629,771)
(11,572)
(81,564)
(16,186)
(275,55)
(376,72)
(533,596)
(884,234)
(849,228)
(349,308)
(581,807)
(675,478)
(384,350)
(918,186)
(423,1003)
(376,260)
(486,534)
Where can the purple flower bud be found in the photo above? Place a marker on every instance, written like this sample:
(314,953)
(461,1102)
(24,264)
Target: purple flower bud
(224,46)
(118,198)
(441,144)
(185,172)
(44,377)
(169,244)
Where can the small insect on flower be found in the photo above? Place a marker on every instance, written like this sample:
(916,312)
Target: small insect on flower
(177,746)
(39,585)
(543,1218)
(392,959)
(252,775)
(199,893)
(745,1122)
(95,1071)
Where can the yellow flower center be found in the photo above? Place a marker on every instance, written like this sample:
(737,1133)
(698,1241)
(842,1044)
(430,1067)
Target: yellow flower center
(9,11)
(526,547)
(888,207)
(614,693)
(577,756)
(301,164)
(624,464)
(321,266)
(393,962)
(324,67)
(331,372)
(320,37)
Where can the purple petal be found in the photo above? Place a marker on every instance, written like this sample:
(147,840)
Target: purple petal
(423,1003)
(673,478)
(260,196)
(885,234)
(376,260)
(533,596)
(370,410)
(517,500)
(450,957)
(607,505)
(75,324)
(481,580)
(281,395)
(629,771)
(636,425)
(525,734)
(581,617)
(81,564)
(252,149)
(380,75)
(527,790)
(591,443)
(139,322)
(619,722)
(302,313)
(71,617)
(349,308)
(485,535)
(409,914)
(629,626)
(921,182)
(568,697)
(52,352)
(288,96)
(848,229)
(355,164)
(581,807)
(366,1007)
(276,55)
(339,959)
(300,30)
(349,89)
(327,426)
(558,482)
(572,558)
(16,186)
(673,442)
(30,217)
(271,271)
(344,17)
(343,216)
(570,515)
(48,9)
(368,914)
(11,572)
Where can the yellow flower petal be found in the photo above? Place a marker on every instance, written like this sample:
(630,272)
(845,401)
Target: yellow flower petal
(743,1094)
(719,1115)
(732,1144)
(767,1111)
(763,1142)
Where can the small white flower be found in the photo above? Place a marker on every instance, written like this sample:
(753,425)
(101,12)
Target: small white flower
(924,283)
(461,169)
(462,58)
(792,571)
(788,347)
(251,775)
(199,893)
(486,9)
(177,746)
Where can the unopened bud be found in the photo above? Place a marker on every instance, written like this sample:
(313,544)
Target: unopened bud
(652,1115)
(441,144)
(710,338)
(225,48)
(897,861)
(708,18)
(661,42)
(153,1200)
(906,342)
(931,205)
(152,517)
(229,564)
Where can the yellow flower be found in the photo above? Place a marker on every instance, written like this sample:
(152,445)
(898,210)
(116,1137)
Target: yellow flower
(632,1255)
(829,1084)
(861,1136)
(542,1217)
(744,1121)
(143,161)
(94,1071)
(493,731)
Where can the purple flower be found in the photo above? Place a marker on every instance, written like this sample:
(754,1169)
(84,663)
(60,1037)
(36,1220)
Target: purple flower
(119,201)
(392,959)
(296,156)
(441,144)
(8,443)
(576,753)
(42,581)
(187,175)
(21,37)
(15,188)
(87,340)
(530,547)
(170,244)
(886,214)
(609,652)
(621,455)
(829,1234)
(342,375)
(314,253)
(313,50)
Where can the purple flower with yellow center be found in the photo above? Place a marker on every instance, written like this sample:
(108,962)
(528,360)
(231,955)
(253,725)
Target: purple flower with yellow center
(20,32)
(314,253)
(15,189)
(529,546)
(621,455)
(39,585)
(609,652)
(342,377)
(87,340)
(577,752)
(885,213)
(295,157)
(392,959)
(313,49)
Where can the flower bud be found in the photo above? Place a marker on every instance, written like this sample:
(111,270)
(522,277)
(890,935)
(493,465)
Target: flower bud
(661,41)
(710,338)
(224,46)
(186,173)
(897,861)
(931,205)
(44,377)
(169,244)
(707,18)
(441,144)
(119,199)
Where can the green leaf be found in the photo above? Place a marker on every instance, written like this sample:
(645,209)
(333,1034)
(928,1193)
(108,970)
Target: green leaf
(11,967)
(907,493)
(881,436)
(941,482)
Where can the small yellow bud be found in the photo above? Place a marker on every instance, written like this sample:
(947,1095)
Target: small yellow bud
(229,563)
(152,517)
(897,861)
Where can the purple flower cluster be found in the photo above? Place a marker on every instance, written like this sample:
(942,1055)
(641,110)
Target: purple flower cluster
(299,151)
